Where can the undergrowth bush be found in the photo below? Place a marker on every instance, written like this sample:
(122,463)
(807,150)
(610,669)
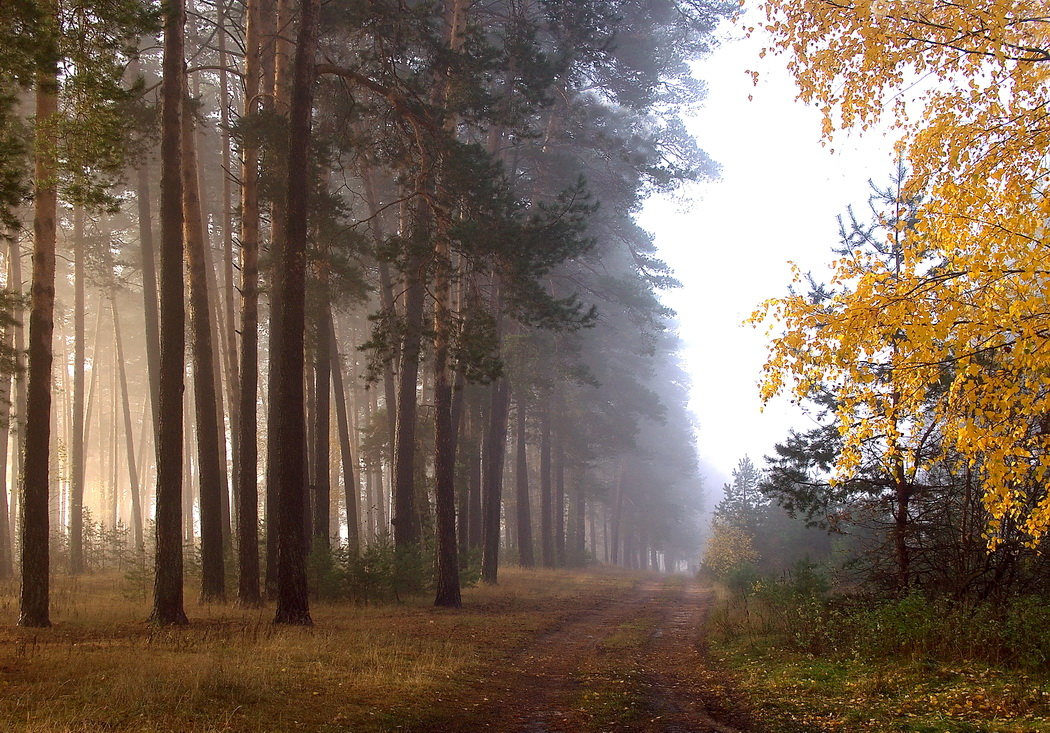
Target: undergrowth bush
(797,612)
(380,572)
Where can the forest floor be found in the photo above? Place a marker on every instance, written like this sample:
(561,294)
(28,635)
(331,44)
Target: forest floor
(542,651)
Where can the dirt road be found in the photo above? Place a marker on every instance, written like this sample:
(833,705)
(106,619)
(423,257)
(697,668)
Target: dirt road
(634,664)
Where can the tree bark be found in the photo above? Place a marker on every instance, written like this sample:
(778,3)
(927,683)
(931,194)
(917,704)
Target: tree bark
(19,407)
(7,566)
(277,60)
(559,500)
(213,583)
(286,402)
(322,419)
(129,441)
(33,605)
(406,517)
(76,489)
(526,557)
(353,534)
(149,292)
(546,491)
(167,595)
(492,488)
(246,475)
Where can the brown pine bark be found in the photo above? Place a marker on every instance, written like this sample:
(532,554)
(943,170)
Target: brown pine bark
(322,420)
(167,595)
(559,500)
(19,408)
(492,487)
(228,319)
(277,61)
(246,475)
(406,517)
(149,291)
(213,584)
(76,489)
(7,567)
(526,558)
(286,401)
(546,491)
(353,535)
(33,602)
(129,441)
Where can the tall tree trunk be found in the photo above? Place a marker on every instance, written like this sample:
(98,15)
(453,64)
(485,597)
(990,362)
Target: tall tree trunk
(33,606)
(615,540)
(149,292)
(136,504)
(386,295)
(353,538)
(167,596)
(521,485)
(492,488)
(474,523)
(19,407)
(246,475)
(76,498)
(213,583)
(7,566)
(579,545)
(546,490)
(448,591)
(322,419)
(286,403)
(406,517)
(228,319)
(279,61)
(559,500)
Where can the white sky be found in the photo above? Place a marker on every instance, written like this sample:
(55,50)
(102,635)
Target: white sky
(776,200)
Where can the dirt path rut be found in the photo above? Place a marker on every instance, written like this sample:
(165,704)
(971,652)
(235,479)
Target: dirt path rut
(634,664)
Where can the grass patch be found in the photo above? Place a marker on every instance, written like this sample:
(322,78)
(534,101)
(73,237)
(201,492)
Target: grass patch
(809,665)
(796,692)
(101,667)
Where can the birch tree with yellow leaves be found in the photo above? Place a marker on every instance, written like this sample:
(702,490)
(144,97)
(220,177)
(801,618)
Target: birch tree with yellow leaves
(963,306)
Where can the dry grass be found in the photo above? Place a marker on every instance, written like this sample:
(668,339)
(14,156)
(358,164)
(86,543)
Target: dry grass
(101,667)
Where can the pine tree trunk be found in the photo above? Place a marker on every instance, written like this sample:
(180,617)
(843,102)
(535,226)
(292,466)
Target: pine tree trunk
(615,540)
(167,597)
(448,591)
(492,487)
(322,419)
(406,517)
(19,407)
(559,500)
(246,475)
(474,483)
(149,292)
(33,605)
(7,566)
(546,491)
(277,61)
(353,538)
(228,320)
(526,557)
(210,486)
(76,503)
(136,504)
(286,403)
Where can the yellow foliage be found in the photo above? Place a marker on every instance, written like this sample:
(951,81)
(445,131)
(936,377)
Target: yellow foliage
(728,547)
(969,298)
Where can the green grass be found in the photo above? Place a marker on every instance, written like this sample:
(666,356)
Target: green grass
(794,690)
